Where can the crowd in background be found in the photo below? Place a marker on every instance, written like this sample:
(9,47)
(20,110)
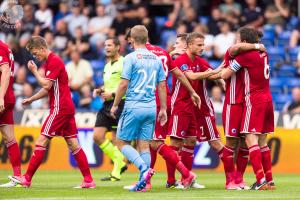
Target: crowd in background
(77,29)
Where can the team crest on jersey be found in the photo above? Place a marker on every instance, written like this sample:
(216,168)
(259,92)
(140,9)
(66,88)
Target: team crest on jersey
(47,73)
(139,56)
(184,67)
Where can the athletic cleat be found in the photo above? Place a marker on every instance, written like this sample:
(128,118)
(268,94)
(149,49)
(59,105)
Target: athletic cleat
(271,185)
(187,182)
(123,169)
(20,180)
(86,185)
(9,185)
(232,186)
(259,186)
(131,187)
(110,178)
(145,177)
(196,185)
(243,185)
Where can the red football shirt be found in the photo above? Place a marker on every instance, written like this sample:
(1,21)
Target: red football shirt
(6,57)
(59,95)
(200,87)
(234,93)
(167,64)
(257,75)
(181,101)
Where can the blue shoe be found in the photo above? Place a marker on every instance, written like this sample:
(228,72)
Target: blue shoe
(145,178)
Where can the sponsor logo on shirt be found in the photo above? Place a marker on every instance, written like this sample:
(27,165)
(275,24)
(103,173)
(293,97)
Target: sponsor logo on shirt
(184,67)
(47,73)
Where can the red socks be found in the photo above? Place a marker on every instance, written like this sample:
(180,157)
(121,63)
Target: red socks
(256,161)
(83,165)
(172,158)
(153,154)
(241,164)
(14,156)
(267,162)
(35,161)
(187,156)
(226,155)
(171,167)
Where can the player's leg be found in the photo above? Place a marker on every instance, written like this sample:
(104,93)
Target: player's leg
(8,137)
(256,162)
(227,157)
(82,162)
(241,163)
(266,160)
(34,163)
(187,152)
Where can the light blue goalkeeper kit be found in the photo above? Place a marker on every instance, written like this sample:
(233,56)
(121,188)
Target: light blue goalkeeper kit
(144,71)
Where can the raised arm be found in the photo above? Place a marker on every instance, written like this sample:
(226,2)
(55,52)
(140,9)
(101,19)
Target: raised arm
(43,82)
(242,47)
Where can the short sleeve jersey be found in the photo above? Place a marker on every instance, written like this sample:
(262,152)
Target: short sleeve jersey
(112,74)
(181,100)
(7,57)
(257,76)
(59,94)
(167,64)
(144,71)
(234,93)
(206,109)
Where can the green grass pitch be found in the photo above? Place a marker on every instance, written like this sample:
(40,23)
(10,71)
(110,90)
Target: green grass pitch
(58,185)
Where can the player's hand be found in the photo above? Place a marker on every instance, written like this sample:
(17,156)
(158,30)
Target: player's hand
(113,111)
(2,107)
(196,99)
(31,66)
(97,92)
(106,95)
(26,102)
(162,117)
(262,48)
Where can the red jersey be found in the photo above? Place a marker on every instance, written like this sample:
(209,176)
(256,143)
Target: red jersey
(167,64)
(59,95)
(200,87)
(6,57)
(234,93)
(181,101)
(257,75)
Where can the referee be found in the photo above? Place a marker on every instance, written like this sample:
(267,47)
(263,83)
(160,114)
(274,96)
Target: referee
(104,122)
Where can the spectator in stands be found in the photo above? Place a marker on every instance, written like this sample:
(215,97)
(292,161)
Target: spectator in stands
(44,15)
(190,19)
(214,23)
(76,19)
(217,99)
(99,26)
(30,25)
(27,91)
(233,20)
(293,106)
(20,79)
(49,39)
(62,12)
(61,37)
(79,71)
(120,24)
(223,40)
(230,6)
(148,22)
(295,36)
(252,15)
(276,14)
(85,97)
(81,43)
(298,64)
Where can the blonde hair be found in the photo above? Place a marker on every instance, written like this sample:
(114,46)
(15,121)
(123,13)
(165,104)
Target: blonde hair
(36,42)
(139,34)
(192,36)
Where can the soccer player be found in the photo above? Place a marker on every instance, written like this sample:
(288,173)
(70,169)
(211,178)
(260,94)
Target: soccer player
(7,103)
(258,114)
(182,127)
(142,72)
(61,120)
(232,116)
(105,122)
(158,145)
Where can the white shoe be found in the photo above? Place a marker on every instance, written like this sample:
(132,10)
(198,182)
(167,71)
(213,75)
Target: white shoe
(9,184)
(129,187)
(179,186)
(197,185)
